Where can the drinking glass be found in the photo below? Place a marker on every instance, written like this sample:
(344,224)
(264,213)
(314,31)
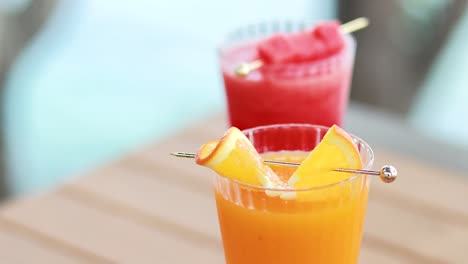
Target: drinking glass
(314,92)
(324,228)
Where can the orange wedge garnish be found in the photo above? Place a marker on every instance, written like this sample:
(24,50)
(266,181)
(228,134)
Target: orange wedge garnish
(235,157)
(336,150)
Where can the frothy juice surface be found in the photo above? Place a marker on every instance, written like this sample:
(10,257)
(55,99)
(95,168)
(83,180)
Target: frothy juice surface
(314,92)
(257,228)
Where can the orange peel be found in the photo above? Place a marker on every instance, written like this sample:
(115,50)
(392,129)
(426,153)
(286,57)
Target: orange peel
(234,156)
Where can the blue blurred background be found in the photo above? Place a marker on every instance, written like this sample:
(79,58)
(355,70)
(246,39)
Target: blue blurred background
(83,82)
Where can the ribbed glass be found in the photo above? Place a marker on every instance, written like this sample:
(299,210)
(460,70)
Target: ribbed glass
(324,228)
(313,92)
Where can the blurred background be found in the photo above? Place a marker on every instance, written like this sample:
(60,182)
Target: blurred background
(83,82)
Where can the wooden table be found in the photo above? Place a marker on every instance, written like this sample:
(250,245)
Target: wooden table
(148,207)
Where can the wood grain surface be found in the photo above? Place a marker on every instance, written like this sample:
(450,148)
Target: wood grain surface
(149,207)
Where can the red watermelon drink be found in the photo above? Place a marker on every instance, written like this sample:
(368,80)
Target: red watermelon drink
(305,77)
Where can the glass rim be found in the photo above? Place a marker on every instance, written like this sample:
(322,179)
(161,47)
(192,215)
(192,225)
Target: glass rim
(320,187)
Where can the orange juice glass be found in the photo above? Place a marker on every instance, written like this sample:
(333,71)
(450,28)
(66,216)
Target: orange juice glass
(260,228)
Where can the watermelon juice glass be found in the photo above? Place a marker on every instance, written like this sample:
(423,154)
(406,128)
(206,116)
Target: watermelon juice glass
(314,92)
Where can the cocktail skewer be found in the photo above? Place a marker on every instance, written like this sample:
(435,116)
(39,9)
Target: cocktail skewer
(354,25)
(387,173)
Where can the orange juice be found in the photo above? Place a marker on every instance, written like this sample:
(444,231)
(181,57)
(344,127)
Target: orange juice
(258,228)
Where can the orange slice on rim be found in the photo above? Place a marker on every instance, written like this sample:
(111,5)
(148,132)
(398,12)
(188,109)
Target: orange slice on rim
(336,150)
(235,157)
